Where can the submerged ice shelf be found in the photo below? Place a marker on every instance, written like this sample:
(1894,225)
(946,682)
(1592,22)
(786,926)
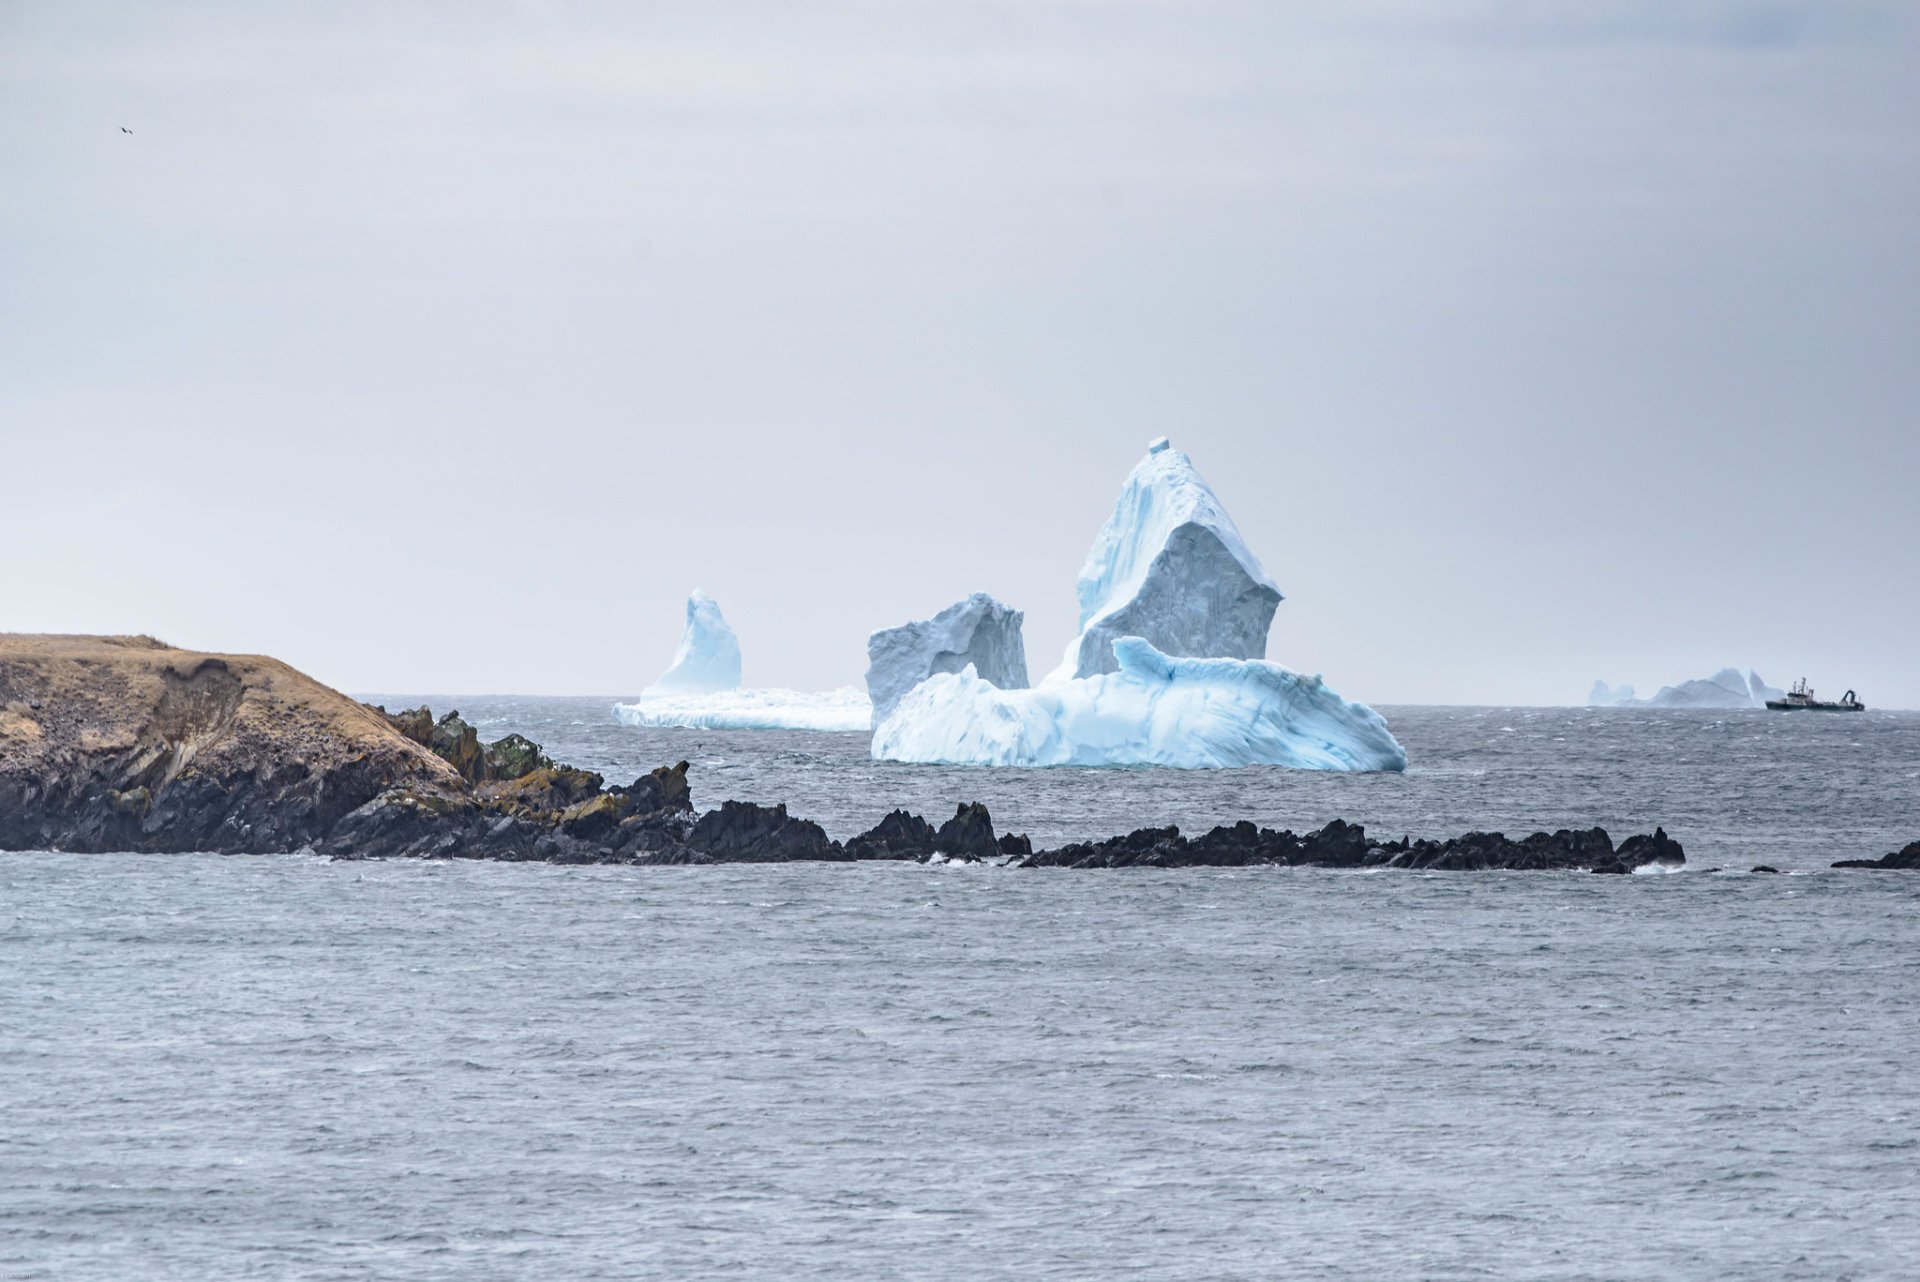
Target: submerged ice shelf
(842,709)
(1155,710)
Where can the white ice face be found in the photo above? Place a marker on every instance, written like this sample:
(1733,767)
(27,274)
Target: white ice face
(843,709)
(708,658)
(978,632)
(1152,710)
(1169,567)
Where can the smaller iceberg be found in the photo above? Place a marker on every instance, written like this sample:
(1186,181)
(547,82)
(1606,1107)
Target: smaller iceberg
(1727,688)
(773,709)
(708,658)
(1154,710)
(979,632)
(701,690)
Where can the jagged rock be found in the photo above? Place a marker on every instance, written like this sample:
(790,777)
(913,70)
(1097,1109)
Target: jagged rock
(1011,844)
(416,724)
(742,832)
(551,788)
(1765,868)
(458,744)
(514,757)
(1640,850)
(664,789)
(899,836)
(1907,858)
(591,818)
(978,632)
(968,835)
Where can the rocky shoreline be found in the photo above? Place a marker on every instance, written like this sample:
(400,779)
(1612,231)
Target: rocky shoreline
(125,744)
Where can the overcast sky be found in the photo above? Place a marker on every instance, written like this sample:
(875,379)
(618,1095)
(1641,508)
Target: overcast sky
(445,347)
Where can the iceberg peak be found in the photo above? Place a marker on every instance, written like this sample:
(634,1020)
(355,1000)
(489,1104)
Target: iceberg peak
(708,657)
(978,634)
(1169,566)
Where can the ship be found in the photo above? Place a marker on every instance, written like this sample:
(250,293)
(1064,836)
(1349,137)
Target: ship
(1801,697)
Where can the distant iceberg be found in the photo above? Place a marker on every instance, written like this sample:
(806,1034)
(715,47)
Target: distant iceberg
(844,709)
(1605,696)
(979,632)
(1170,567)
(1168,668)
(1727,688)
(1154,710)
(700,689)
(708,658)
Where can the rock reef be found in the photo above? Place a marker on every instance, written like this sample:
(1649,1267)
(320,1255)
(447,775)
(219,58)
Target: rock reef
(126,744)
(1906,859)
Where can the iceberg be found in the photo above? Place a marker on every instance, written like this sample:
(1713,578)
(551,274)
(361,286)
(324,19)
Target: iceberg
(1605,696)
(1153,709)
(701,689)
(771,709)
(1168,669)
(1169,567)
(708,658)
(1727,688)
(978,632)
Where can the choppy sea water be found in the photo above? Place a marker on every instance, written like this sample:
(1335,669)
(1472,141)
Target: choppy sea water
(280,1067)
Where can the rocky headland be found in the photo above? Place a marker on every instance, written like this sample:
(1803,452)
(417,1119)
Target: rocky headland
(127,744)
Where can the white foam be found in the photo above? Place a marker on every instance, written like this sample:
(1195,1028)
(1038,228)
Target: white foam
(844,709)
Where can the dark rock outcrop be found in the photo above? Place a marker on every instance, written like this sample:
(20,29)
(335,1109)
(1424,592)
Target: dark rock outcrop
(1344,845)
(1906,859)
(899,836)
(742,832)
(968,835)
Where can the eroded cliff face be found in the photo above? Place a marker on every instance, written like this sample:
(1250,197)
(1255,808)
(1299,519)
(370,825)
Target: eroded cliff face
(123,743)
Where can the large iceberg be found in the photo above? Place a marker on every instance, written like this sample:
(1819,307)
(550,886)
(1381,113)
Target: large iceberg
(1169,567)
(708,658)
(771,709)
(1167,669)
(1727,688)
(1152,710)
(978,632)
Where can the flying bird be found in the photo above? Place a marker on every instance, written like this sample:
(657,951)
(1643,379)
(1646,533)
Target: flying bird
(125,130)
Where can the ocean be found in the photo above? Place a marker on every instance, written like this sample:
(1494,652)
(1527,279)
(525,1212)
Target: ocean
(280,1067)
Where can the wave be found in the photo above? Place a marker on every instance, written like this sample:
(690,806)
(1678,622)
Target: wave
(844,709)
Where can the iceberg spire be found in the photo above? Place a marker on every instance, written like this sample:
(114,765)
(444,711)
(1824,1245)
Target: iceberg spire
(1169,567)
(708,659)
